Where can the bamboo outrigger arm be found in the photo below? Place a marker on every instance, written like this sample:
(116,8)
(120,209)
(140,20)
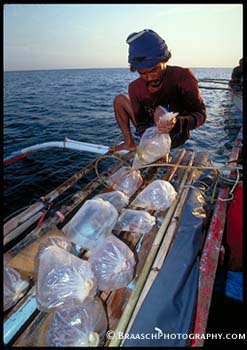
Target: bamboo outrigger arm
(67,143)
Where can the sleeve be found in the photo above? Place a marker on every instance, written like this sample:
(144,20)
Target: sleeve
(194,110)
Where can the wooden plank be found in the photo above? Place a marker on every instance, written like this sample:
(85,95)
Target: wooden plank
(24,261)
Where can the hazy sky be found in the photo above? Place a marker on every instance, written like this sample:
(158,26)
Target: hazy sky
(94,36)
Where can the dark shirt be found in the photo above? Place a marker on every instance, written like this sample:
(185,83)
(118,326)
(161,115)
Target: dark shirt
(179,93)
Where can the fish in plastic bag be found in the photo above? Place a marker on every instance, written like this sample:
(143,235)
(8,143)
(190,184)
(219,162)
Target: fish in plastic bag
(14,287)
(113,264)
(80,325)
(63,279)
(126,180)
(158,195)
(58,241)
(153,145)
(135,221)
(117,198)
(92,223)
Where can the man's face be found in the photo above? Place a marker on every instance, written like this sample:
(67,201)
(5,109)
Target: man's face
(153,76)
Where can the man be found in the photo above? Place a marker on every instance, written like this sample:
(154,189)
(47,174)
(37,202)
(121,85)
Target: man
(174,88)
(237,77)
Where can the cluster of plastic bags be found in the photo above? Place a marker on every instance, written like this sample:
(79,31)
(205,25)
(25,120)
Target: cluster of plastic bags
(67,285)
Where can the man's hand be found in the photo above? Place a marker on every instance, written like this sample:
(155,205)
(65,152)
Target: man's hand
(163,126)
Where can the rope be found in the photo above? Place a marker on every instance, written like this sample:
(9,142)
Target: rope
(219,172)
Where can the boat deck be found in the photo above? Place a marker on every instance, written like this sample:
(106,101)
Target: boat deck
(24,324)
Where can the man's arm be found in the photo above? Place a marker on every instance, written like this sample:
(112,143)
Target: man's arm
(194,113)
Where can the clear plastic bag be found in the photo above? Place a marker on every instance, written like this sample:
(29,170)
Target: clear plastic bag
(126,180)
(63,279)
(57,241)
(92,223)
(117,198)
(113,264)
(14,287)
(158,195)
(135,221)
(152,147)
(80,325)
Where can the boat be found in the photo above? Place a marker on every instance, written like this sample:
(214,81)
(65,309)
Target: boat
(179,256)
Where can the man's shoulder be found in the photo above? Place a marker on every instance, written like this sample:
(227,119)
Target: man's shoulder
(135,84)
(180,74)
(179,70)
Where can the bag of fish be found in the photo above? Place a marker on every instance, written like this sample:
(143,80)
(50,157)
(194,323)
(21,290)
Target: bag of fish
(63,279)
(79,325)
(14,287)
(153,145)
(112,264)
(158,195)
(126,180)
(138,221)
(92,223)
(117,198)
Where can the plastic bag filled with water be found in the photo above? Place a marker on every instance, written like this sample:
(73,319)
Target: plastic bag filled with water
(14,287)
(92,223)
(57,241)
(135,221)
(152,147)
(158,195)
(63,279)
(80,325)
(113,264)
(126,180)
(117,198)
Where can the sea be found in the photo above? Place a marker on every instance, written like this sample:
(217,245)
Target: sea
(49,105)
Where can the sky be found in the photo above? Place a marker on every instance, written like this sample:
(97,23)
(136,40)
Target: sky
(69,36)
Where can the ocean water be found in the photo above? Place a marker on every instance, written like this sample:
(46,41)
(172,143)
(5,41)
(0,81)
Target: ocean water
(49,105)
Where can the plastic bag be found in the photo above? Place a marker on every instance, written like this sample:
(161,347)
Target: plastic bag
(126,180)
(117,198)
(113,264)
(80,325)
(92,223)
(57,241)
(14,287)
(135,221)
(63,279)
(152,147)
(158,195)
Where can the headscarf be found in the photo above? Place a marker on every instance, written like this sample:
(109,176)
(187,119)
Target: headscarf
(146,49)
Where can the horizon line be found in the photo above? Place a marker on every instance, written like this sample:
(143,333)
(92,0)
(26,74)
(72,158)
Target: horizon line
(84,68)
